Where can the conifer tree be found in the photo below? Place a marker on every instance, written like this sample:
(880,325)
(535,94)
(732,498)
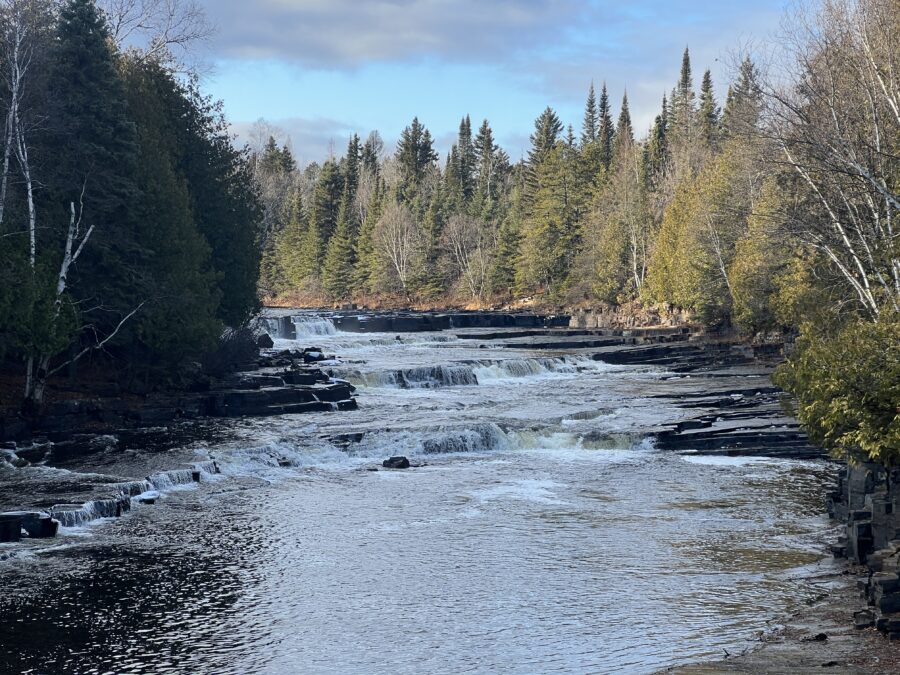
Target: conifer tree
(591,123)
(606,132)
(682,114)
(624,130)
(339,262)
(742,109)
(547,130)
(370,156)
(467,159)
(99,155)
(657,148)
(291,246)
(415,155)
(366,258)
(323,217)
(709,112)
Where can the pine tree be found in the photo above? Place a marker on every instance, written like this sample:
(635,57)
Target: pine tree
(323,217)
(370,156)
(742,109)
(291,246)
(366,270)
(547,129)
(97,153)
(339,263)
(656,150)
(682,115)
(467,160)
(415,154)
(709,112)
(590,125)
(178,319)
(624,130)
(606,132)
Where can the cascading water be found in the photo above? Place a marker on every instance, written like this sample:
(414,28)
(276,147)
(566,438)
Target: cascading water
(311,326)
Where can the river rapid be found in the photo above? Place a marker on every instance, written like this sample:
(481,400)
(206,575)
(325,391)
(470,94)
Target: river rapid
(540,532)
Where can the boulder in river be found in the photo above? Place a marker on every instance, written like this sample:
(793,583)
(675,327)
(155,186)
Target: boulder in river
(10,527)
(265,341)
(396,463)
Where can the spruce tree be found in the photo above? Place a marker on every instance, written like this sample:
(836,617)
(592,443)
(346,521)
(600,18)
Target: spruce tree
(742,109)
(323,217)
(547,129)
(485,156)
(97,153)
(290,246)
(656,150)
(683,104)
(224,200)
(606,132)
(709,112)
(339,263)
(624,130)
(590,125)
(415,155)
(366,271)
(178,319)
(467,160)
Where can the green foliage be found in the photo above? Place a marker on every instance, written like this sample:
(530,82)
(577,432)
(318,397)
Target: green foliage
(761,259)
(178,319)
(415,155)
(848,388)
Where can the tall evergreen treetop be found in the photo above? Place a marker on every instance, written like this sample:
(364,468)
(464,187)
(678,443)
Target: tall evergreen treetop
(709,111)
(370,156)
(606,132)
(744,102)
(547,129)
(415,154)
(682,114)
(590,125)
(624,130)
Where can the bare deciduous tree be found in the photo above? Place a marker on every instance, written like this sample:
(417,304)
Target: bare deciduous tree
(466,240)
(159,28)
(836,122)
(397,239)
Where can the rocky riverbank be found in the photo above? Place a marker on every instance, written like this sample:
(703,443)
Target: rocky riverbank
(275,383)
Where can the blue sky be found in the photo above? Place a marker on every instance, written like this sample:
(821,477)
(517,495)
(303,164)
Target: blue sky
(323,69)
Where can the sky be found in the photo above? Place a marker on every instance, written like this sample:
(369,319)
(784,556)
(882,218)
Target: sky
(320,70)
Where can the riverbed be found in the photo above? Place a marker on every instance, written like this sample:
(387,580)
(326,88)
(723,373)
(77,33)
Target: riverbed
(539,530)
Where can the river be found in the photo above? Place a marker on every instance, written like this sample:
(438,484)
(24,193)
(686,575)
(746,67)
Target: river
(540,532)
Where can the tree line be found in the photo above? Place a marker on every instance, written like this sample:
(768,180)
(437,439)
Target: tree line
(130,226)
(773,211)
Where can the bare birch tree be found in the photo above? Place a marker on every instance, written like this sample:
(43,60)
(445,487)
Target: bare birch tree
(836,122)
(397,238)
(466,240)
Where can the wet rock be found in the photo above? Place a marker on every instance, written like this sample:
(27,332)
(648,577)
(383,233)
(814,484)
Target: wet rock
(264,341)
(10,528)
(865,618)
(396,463)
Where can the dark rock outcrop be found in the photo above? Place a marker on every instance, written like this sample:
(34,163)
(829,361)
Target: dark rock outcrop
(396,463)
(867,502)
